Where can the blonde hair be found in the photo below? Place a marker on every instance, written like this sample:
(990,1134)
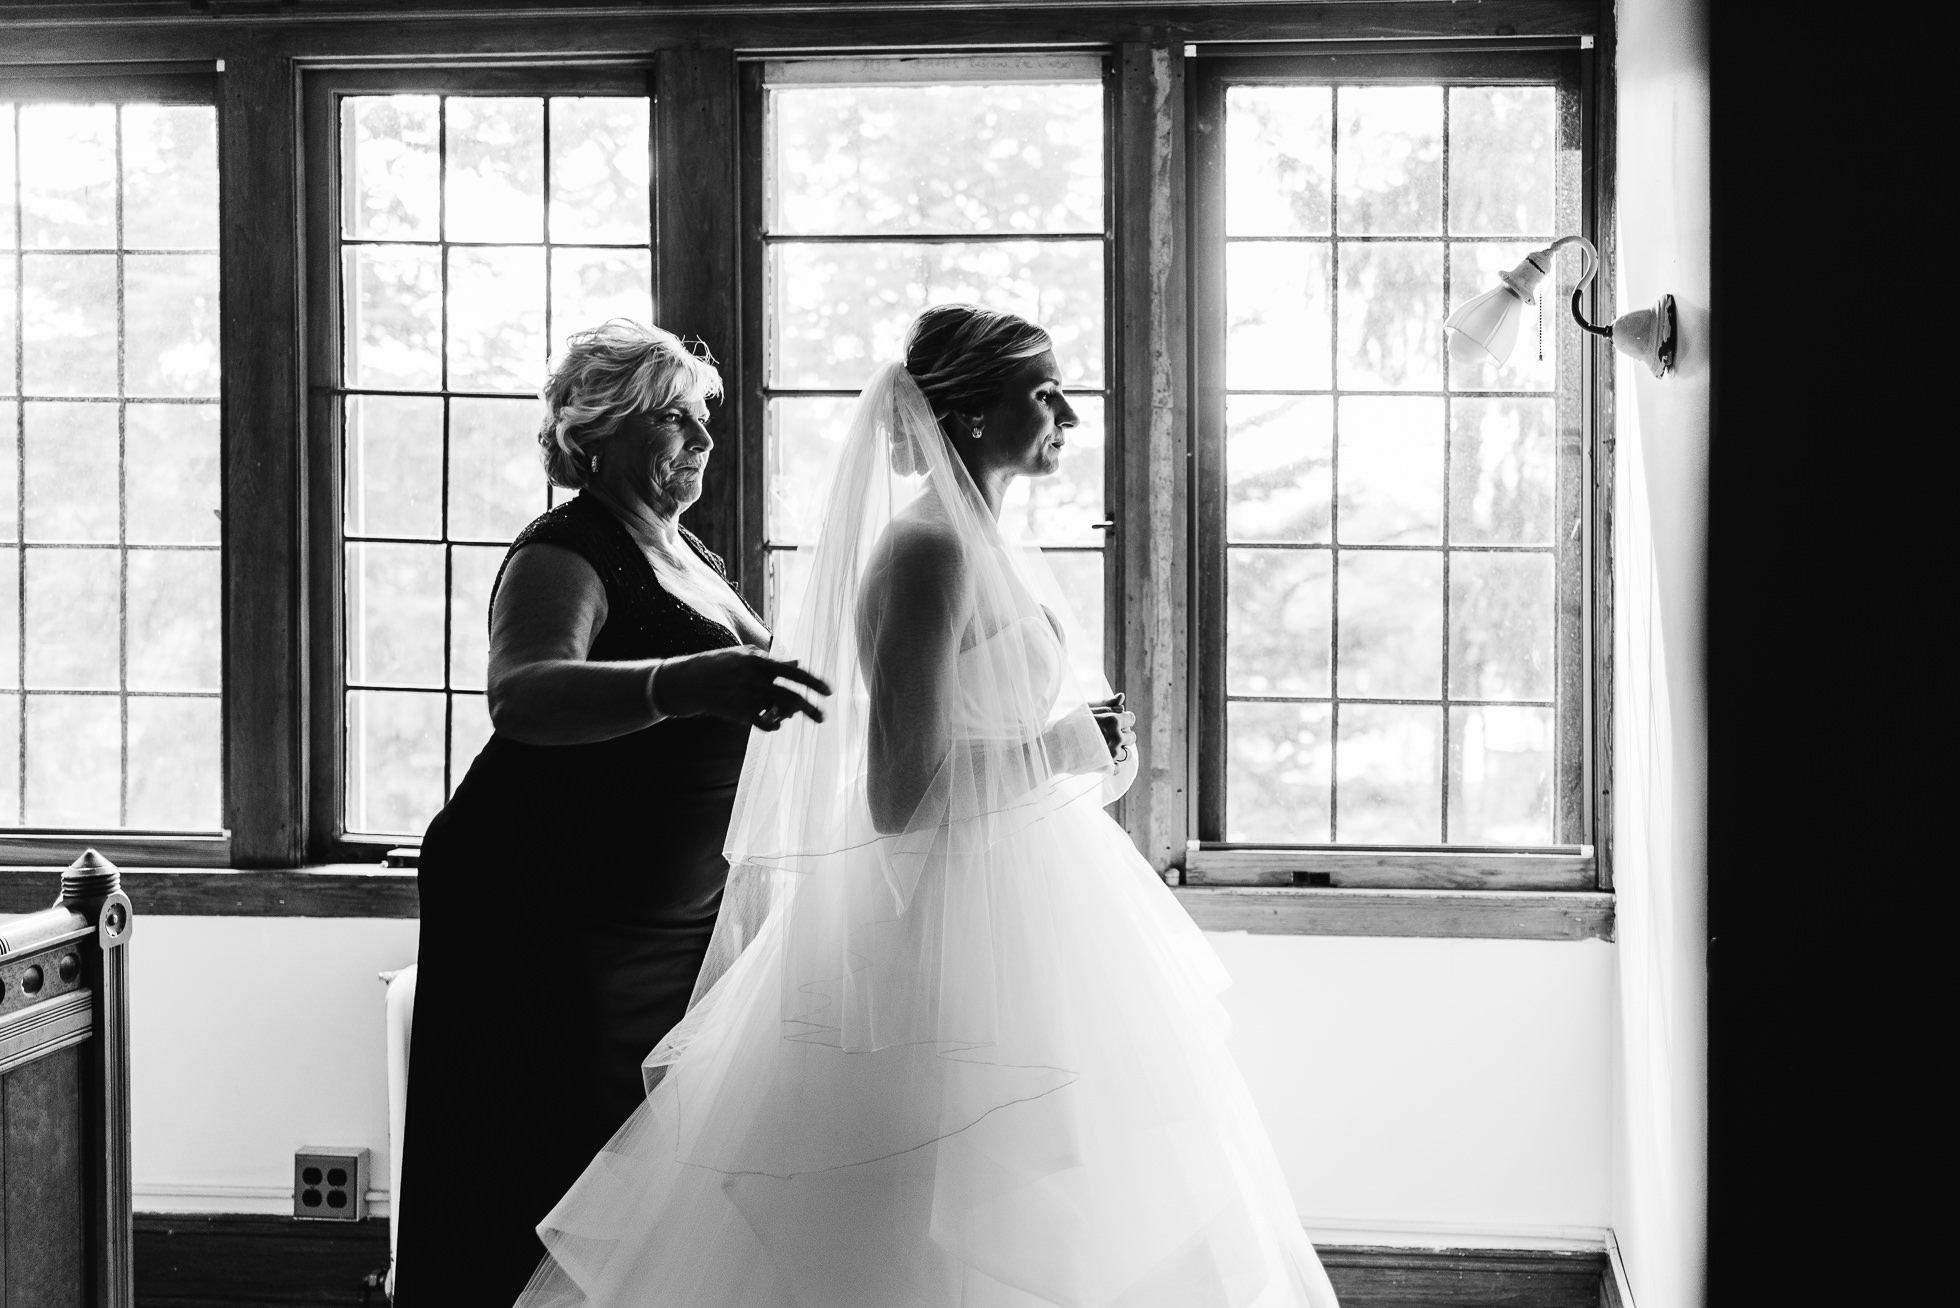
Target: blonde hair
(607,375)
(961,355)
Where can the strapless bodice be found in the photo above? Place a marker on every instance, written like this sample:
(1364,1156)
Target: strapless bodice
(1010,680)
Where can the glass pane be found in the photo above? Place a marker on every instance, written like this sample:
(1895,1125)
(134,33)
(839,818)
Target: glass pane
(170,307)
(175,763)
(1391,160)
(1503,160)
(1278,332)
(469,732)
(789,575)
(9,627)
(1474,267)
(394,761)
(74,760)
(68,176)
(1279,467)
(841,310)
(493,186)
(496,320)
(9,233)
(1063,509)
(875,159)
(599,177)
(805,435)
(392,333)
(68,324)
(1501,769)
(1279,613)
(171,453)
(73,609)
(393,455)
(174,598)
(170,177)
(389,161)
(1279,160)
(9,305)
(1079,576)
(394,615)
(590,286)
(9,743)
(1391,634)
(1501,626)
(1390,778)
(71,472)
(496,484)
(1392,317)
(472,572)
(1503,471)
(1278,765)
(1391,470)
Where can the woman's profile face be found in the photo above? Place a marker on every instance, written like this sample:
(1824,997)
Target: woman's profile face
(660,455)
(1023,428)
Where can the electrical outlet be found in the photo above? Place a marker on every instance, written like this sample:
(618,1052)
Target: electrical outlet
(330,1183)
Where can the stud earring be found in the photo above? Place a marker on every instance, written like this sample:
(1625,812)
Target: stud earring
(976,431)
(595,465)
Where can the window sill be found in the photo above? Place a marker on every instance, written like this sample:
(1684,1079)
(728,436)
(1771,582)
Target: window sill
(369,890)
(1456,868)
(326,890)
(1471,914)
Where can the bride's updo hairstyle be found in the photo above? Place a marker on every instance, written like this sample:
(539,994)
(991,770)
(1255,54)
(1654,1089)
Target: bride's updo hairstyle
(606,376)
(961,355)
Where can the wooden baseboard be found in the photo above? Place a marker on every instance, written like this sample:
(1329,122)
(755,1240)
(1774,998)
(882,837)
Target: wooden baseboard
(1367,1276)
(230,1261)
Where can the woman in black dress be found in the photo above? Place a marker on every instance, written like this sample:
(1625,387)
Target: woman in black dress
(570,887)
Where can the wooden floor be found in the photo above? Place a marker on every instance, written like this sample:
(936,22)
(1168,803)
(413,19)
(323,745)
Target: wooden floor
(274,1262)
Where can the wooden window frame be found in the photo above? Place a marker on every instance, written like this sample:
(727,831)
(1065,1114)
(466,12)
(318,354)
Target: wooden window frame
(322,91)
(755,242)
(273,864)
(1581,861)
(176,83)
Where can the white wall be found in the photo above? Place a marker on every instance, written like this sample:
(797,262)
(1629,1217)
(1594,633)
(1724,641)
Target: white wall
(1661,1029)
(1418,1091)
(1430,1091)
(250,1037)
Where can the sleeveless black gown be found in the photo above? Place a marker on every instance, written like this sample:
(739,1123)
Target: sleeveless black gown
(568,893)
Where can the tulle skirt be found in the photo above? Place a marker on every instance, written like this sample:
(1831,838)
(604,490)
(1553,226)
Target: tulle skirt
(1060,1125)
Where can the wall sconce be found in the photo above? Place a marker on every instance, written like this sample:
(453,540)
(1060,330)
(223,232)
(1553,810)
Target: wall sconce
(1485,330)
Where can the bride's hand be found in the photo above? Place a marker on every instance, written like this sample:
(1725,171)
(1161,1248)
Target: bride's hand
(1118,727)
(741,684)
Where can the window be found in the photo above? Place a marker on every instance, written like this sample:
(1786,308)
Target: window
(475,227)
(1359,596)
(867,219)
(110,590)
(1392,545)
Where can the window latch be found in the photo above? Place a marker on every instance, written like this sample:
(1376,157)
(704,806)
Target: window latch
(1106,525)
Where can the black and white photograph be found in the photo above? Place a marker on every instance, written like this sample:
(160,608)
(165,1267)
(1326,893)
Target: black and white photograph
(878,653)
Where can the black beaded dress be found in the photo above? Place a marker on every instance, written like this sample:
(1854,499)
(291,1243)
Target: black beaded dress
(568,893)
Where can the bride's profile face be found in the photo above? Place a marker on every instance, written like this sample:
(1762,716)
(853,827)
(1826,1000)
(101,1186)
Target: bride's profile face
(1023,428)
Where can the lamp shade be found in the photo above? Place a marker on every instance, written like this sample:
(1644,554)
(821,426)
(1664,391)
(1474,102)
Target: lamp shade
(1485,330)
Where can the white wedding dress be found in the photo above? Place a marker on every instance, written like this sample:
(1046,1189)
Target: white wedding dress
(977,1063)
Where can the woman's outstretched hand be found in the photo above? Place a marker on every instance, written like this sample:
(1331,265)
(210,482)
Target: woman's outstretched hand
(1118,727)
(742,684)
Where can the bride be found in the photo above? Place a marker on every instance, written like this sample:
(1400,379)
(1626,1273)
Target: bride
(954,1042)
